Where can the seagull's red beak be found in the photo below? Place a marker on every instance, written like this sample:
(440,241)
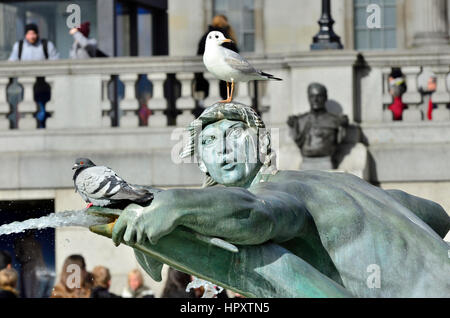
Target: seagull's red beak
(227,41)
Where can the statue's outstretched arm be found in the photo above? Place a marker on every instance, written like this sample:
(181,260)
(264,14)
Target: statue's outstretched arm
(232,213)
(245,217)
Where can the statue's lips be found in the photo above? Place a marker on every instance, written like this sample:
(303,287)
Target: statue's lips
(229,166)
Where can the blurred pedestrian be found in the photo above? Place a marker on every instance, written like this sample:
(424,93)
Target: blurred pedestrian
(175,286)
(83,47)
(431,88)
(397,87)
(5,260)
(32,47)
(218,23)
(136,287)
(36,278)
(102,283)
(8,283)
(75,281)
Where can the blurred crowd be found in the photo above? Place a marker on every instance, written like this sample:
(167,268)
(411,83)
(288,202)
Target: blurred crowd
(76,282)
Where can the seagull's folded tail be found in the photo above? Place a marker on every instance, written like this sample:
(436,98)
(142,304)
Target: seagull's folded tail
(270,76)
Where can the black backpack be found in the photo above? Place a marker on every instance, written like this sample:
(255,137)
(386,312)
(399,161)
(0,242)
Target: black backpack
(44,46)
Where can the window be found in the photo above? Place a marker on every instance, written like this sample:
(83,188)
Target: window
(240,14)
(50,16)
(381,38)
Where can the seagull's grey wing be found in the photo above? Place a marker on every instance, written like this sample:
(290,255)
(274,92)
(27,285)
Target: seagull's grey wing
(237,62)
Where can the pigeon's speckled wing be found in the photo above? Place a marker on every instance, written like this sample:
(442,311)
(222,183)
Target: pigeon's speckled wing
(237,62)
(98,182)
(102,186)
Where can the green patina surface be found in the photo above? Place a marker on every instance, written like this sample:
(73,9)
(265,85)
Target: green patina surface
(298,233)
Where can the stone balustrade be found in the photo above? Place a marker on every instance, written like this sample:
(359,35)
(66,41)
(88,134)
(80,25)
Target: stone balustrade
(372,80)
(96,110)
(92,93)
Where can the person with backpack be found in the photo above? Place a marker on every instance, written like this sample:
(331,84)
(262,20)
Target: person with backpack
(32,47)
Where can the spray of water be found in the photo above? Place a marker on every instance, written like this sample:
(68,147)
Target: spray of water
(54,220)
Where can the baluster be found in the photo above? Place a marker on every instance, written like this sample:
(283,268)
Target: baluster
(129,105)
(412,97)
(27,107)
(106,103)
(441,96)
(50,106)
(186,102)
(387,97)
(242,93)
(4,106)
(214,90)
(264,100)
(157,104)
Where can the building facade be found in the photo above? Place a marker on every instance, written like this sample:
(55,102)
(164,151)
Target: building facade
(99,108)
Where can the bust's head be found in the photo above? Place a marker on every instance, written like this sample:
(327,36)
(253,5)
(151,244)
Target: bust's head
(230,142)
(317,96)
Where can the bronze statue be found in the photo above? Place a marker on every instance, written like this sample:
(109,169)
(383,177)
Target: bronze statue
(289,233)
(318,132)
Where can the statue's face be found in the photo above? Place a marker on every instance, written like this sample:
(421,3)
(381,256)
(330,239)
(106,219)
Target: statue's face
(229,151)
(317,98)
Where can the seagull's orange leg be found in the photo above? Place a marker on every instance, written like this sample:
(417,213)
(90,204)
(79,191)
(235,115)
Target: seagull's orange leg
(232,90)
(228,94)
(89,205)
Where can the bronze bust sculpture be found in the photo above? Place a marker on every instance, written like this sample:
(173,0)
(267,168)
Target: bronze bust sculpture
(318,132)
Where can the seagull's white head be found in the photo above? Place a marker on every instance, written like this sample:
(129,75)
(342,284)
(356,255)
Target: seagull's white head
(216,38)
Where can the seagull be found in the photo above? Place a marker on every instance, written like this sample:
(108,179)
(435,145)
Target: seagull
(101,186)
(228,65)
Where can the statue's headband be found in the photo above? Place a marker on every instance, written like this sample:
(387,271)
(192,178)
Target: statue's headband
(217,112)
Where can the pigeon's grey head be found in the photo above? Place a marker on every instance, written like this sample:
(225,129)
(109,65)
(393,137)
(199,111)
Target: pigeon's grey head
(83,163)
(216,38)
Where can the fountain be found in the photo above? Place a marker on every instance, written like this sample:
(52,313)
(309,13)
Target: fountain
(271,233)
(54,220)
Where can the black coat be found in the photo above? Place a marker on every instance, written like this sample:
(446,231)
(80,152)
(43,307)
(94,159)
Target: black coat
(6,294)
(101,292)
(229,45)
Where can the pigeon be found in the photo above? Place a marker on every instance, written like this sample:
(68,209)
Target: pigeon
(228,65)
(101,186)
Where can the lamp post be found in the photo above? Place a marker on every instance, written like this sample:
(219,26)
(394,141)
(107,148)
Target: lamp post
(326,39)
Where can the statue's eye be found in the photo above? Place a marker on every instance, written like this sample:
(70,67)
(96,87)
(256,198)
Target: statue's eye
(208,140)
(235,132)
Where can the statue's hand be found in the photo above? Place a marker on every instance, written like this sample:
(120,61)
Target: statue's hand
(127,224)
(136,224)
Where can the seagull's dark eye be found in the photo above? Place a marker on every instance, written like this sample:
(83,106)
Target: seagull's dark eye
(217,36)
(210,36)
